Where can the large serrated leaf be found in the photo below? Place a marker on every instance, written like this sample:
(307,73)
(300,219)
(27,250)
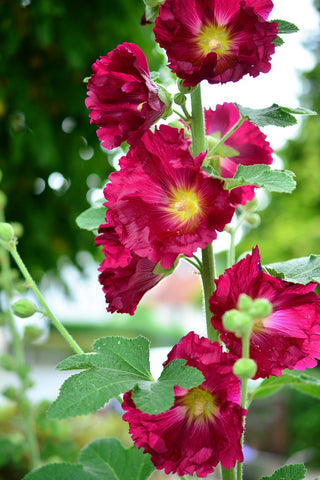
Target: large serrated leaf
(157,397)
(301,270)
(107,459)
(116,367)
(274,115)
(288,472)
(92,218)
(261,175)
(59,471)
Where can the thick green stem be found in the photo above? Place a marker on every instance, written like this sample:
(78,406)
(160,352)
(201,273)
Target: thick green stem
(37,292)
(228,474)
(208,266)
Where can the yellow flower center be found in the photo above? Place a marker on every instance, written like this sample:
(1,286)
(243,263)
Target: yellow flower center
(184,204)
(200,404)
(214,38)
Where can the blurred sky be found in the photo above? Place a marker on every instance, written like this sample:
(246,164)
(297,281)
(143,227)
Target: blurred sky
(281,85)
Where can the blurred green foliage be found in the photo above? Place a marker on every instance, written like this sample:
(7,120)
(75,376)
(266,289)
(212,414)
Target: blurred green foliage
(47,49)
(291,223)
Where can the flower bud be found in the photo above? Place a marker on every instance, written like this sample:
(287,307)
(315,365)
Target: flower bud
(261,308)
(180,98)
(32,333)
(237,322)
(24,308)
(244,302)
(253,219)
(17,228)
(6,232)
(245,368)
(184,89)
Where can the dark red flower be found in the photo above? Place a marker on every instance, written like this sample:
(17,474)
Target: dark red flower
(125,276)
(289,337)
(122,98)
(247,145)
(216,40)
(204,425)
(161,203)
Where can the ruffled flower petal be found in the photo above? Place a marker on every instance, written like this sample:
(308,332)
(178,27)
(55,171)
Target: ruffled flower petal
(290,336)
(161,203)
(125,276)
(204,425)
(122,99)
(218,40)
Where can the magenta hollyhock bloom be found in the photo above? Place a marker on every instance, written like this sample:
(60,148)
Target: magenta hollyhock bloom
(289,337)
(161,203)
(125,276)
(247,145)
(204,425)
(217,40)
(122,99)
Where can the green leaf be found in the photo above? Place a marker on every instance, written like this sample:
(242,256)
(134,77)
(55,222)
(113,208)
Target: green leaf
(107,459)
(262,176)
(286,27)
(59,471)
(274,115)
(116,367)
(92,218)
(288,472)
(301,270)
(297,380)
(157,397)
(278,41)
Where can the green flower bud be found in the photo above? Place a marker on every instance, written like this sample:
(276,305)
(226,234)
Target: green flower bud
(244,302)
(24,308)
(261,308)
(253,219)
(245,368)
(7,362)
(11,393)
(237,322)
(6,232)
(17,228)
(180,98)
(185,89)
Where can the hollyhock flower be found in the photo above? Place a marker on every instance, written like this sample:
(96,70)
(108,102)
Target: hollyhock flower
(204,425)
(122,99)
(125,276)
(247,145)
(161,203)
(290,336)
(218,41)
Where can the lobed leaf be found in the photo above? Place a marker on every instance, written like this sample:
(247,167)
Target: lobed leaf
(157,397)
(274,115)
(301,270)
(118,365)
(288,472)
(107,459)
(261,175)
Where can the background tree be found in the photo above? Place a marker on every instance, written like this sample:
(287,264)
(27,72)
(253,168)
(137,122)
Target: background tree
(47,49)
